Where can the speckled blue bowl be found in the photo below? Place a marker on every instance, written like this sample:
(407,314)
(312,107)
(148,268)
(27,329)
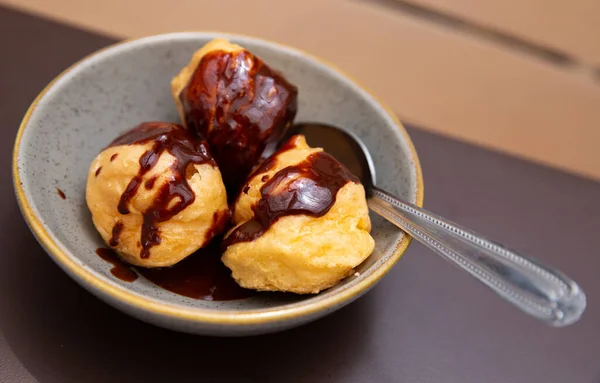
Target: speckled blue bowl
(85,107)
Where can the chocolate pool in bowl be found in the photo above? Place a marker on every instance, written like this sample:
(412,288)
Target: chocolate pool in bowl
(95,100)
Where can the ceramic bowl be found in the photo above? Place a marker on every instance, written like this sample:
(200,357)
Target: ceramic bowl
(114,89)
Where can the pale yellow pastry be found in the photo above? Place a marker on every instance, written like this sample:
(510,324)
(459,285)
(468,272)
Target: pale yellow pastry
(299,253)
(146,235)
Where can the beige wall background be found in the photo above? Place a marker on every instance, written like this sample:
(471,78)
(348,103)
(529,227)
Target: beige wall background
(520,76)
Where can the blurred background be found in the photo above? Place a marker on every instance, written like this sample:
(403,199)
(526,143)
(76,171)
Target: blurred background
(519,76)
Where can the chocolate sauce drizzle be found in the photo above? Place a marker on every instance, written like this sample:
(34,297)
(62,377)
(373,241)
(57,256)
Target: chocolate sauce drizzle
(187,150)
(149,184)
(120,269)
(200,276)
(309,188)
(116,232)
(242,107)
(61,194)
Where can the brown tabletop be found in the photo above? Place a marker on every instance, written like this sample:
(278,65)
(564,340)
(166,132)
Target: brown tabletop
(425,322)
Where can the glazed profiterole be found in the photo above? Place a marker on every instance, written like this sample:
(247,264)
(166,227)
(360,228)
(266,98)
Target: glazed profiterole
(156,194)
(159,192)
(238,103)
(302,223)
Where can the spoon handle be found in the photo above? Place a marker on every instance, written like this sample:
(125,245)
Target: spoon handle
(536,289)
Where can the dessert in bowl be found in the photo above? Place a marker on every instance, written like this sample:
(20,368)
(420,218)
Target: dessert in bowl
(202,199)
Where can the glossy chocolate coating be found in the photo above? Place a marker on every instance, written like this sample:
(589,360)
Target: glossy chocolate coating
(309,187)
(242,107)
(187,149)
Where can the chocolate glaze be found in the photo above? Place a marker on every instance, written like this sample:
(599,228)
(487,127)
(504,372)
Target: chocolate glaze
(61,193)
(112,158)
(187,149)
(116,232)
(242,107)
(308,188)
(200,276)
(149,184)
(120,269)
(98,171)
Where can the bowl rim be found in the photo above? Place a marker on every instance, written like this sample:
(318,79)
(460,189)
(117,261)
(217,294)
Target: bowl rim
(196,314)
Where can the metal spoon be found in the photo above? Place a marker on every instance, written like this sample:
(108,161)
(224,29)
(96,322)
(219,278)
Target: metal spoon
(536,289)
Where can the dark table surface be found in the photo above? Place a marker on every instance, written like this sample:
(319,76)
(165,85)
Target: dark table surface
(425,322)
